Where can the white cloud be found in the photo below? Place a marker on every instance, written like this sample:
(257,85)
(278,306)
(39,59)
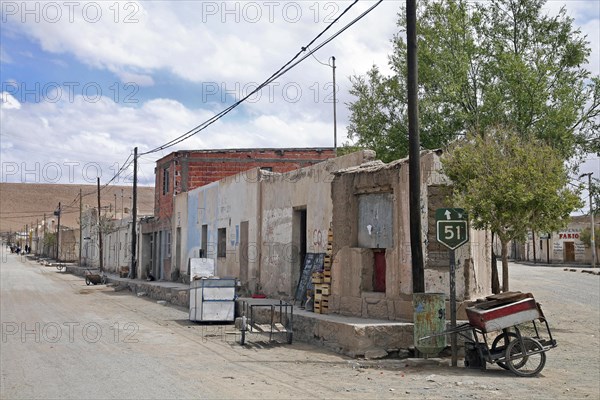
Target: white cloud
(7,101)
(103,133)
(5,58)
(198,44)
(138,79)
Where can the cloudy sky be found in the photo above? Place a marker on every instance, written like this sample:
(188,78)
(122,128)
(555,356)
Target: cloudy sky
(85,82)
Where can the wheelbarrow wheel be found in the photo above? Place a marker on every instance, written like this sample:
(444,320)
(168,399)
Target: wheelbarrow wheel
(520,360)
(87,281)
(500,344)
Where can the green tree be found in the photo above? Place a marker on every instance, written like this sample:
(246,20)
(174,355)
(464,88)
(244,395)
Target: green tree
(48,243)
(510,185)
(595,189)
(482,64)
(586,237)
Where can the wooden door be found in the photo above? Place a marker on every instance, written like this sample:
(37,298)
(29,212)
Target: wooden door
(379,271)
(569,251)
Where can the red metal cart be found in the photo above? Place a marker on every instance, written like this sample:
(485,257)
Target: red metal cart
(505,329)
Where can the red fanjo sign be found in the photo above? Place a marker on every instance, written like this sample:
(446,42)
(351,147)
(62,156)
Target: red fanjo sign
(568,235)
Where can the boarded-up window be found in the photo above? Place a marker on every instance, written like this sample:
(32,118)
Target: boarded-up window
(375,221)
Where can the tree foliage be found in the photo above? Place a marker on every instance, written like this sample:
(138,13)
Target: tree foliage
(510,185)
(49,240)
(586,237)
(483,64)
(595,190)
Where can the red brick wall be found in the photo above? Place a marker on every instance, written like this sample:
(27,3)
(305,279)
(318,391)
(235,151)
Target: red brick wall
(201,167)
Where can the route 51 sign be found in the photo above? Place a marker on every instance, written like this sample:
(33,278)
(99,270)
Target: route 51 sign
(452,227)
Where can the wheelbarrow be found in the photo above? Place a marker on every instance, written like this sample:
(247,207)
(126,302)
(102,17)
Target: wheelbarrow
(92,278)
(515,320)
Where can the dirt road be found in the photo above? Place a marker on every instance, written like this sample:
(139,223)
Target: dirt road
(63,339)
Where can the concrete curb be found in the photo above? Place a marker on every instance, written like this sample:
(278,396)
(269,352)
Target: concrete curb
(176,294)
(585,271)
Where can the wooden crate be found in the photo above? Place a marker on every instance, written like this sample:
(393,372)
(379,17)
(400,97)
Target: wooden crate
(323,288)
(322,305)
(317,277)
(327,276)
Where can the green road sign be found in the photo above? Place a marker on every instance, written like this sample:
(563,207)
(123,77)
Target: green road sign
(452,227)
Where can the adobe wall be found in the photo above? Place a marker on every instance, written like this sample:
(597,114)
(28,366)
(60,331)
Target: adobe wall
(353,290)
(283,195)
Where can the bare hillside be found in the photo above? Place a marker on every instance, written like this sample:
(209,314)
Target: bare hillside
(24,203)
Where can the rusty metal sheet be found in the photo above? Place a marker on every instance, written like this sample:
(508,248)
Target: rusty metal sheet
(429,319)
(375,221)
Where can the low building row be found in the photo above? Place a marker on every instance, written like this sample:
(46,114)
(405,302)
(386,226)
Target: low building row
(259,226)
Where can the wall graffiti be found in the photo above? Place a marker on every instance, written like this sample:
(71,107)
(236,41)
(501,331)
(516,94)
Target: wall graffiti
(317,239)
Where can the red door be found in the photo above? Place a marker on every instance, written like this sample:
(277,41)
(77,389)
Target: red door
(379,271)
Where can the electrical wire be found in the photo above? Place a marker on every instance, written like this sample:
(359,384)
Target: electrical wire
(281,71)
(284,69)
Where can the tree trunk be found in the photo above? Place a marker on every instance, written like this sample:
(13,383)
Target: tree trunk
(504,265)
(495,278)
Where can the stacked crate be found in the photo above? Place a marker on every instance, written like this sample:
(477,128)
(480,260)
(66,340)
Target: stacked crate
(323,279)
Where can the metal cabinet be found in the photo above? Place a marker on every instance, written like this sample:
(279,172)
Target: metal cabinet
(212,299)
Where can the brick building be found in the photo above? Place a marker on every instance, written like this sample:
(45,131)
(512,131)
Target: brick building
(182,171)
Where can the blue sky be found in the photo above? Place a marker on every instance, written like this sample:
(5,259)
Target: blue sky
(84,82)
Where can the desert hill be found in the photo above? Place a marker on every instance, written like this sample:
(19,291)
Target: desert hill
(24,203)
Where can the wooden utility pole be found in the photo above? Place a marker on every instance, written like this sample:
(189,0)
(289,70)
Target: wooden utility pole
(592,233)
(100,230)
(44,237)
(80,225)
(414,153)
(58,235)
(533,241)
(132,270)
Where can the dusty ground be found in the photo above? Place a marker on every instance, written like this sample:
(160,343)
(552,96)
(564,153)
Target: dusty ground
(115,345)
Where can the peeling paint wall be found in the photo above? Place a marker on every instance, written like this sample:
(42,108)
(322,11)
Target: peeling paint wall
(265,203)
(223,205)
(304,189)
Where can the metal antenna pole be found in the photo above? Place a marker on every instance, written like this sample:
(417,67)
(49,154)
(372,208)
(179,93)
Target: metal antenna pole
(334,108)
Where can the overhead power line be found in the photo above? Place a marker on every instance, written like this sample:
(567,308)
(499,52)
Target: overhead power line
(284,69)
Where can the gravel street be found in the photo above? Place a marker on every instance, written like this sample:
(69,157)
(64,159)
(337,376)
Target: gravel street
(63,339)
